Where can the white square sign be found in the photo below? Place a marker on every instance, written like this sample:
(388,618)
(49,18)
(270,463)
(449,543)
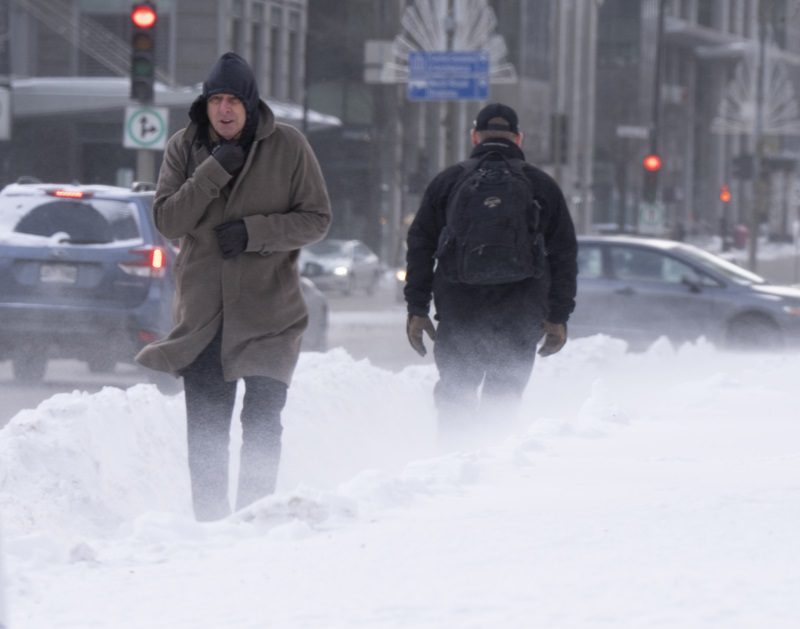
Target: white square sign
(146,127)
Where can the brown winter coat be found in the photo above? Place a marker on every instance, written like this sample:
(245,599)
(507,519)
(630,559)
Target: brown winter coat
(256,296)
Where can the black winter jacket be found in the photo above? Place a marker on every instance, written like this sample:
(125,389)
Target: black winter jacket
(551,297)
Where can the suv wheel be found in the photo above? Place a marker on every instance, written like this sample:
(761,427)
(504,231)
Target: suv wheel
(29,368)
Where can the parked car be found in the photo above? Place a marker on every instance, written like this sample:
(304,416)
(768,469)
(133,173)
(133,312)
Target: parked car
(639,289)
(85,275)
(342,265)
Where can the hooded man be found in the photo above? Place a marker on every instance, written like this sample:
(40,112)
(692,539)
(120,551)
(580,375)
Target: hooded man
(494,244)
(243,194)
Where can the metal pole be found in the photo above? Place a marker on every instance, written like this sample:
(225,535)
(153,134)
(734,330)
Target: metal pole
(764,9)
(655,119)
(560,55)
(451,116)
(145,165)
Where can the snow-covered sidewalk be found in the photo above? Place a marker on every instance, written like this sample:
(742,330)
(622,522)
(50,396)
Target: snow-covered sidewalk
(640,490)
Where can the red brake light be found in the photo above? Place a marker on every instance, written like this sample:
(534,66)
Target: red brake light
(151,262)
(69,194)
(157,258)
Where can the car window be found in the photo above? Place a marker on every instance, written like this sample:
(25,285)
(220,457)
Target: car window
(630,263)
(679,272)
(590,262)
(361,251)
(29,220)
(731,271)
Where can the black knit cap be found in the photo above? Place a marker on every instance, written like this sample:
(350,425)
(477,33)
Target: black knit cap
(497,110)
(230,74)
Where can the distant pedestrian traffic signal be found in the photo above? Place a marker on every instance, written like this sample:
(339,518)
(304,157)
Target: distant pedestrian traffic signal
(652,164)
(143,61)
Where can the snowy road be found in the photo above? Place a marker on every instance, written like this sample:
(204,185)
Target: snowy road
(367,327)
(638,490)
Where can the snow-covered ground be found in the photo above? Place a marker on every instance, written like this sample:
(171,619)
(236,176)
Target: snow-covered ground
(659,489)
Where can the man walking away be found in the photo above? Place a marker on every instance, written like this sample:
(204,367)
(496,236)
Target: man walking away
(494,244)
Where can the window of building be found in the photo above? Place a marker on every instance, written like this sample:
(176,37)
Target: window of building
(257,39)
(275,50)
(295,55)
(705,13)
(236,34)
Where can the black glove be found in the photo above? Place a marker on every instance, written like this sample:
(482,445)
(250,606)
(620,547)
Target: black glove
(230,156)
(555,335)
(232,238)
(415,326)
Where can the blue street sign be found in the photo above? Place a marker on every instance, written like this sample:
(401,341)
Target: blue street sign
(448,75)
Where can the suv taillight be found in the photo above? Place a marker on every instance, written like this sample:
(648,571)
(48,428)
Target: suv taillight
(150,262)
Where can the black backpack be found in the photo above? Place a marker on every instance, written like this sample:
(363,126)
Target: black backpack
(491,232)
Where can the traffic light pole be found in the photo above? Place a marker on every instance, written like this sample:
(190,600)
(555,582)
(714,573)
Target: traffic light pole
(145,165)
(759,183)
(652,162)
(143,66)
(656,111)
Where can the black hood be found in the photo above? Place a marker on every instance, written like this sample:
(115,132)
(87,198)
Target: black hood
(505,147)
(230,74)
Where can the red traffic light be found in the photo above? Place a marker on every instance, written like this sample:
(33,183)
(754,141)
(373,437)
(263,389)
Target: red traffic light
(724,193)
(144,16)
(652,163)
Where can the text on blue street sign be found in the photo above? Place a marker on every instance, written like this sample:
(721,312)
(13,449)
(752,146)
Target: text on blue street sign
(448,75)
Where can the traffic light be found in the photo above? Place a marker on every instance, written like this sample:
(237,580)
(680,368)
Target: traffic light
(143,48)
(725,193)
(652,164)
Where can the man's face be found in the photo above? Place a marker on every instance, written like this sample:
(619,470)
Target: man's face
(227,115)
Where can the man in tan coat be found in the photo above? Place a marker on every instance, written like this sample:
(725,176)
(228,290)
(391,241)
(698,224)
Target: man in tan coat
(243,193)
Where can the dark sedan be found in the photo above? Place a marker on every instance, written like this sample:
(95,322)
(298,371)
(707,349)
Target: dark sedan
(640,289)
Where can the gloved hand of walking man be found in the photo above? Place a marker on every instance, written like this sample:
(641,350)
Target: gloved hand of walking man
(230,156)
(415,326)
(232,238)
(555,335)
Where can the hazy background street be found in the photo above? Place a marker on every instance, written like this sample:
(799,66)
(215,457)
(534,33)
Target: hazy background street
(367,327)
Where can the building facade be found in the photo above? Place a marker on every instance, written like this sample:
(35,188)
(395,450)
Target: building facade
(698,110)
(72,39)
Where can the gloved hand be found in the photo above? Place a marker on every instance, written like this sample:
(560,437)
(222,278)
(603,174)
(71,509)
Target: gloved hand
(555,335)
(230,156)
(415,326)
(232,238)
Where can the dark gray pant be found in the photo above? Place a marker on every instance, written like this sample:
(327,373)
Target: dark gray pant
(470,356)
(209,407)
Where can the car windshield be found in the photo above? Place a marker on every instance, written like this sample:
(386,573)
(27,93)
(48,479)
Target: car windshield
(30,220)
(328,248)
(730,270)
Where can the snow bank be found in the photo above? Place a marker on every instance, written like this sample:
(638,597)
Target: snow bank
(652,489)
(85,464)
